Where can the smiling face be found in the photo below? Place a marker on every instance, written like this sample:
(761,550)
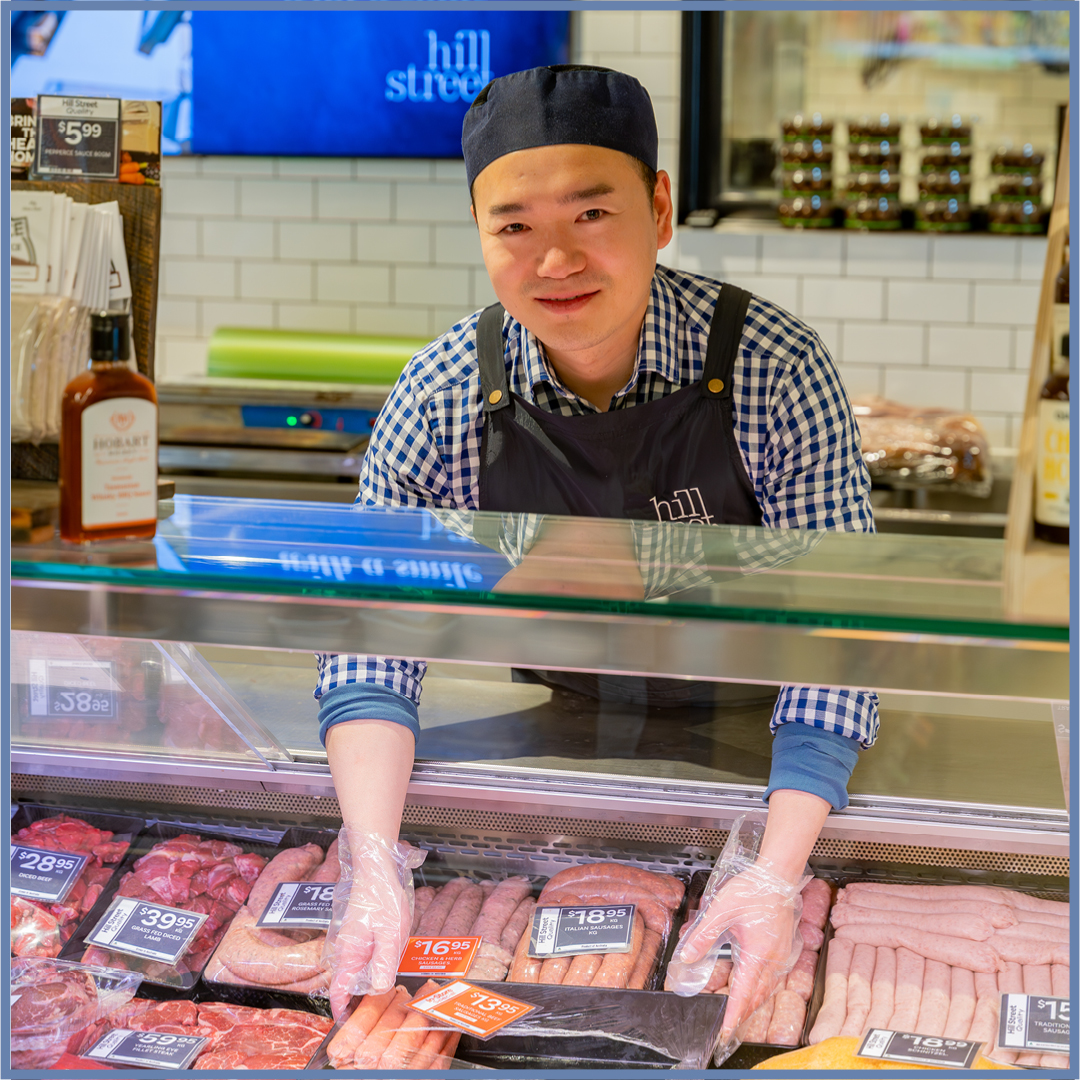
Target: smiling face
(570,236)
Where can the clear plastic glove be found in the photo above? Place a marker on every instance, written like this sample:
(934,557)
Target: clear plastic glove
(373,905)
(747,904)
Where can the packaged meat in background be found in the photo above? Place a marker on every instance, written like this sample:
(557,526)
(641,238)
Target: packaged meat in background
(837,1054)
(210,875)
(909,447)
(281,959)
(40,927)
(53,1001)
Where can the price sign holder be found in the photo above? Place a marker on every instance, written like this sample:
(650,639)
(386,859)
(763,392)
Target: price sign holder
(911,1048)
(477,1012)
(78,137)
(40,874)
(583,928)
(1034,1022)
(140,928)
(150,1049)
(438,956)
(299,905)
(71,689)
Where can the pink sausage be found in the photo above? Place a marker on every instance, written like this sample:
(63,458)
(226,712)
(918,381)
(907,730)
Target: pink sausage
(833,1011)
(499,907)
(1045,918)
(1037,932)
(812,937)
(863,959)
(789,1014)
(1029,951)
(816,899)
(422,898)
(463,914)
(721,973)
(961,1004)
(956,952)
(800,978)
(1019,901)
(755,1029)
(997,915)
(984,1024)
(330,868)
(882,990)
(433,919)
(517,924)
(934,1007)
(908,994)
(971,927)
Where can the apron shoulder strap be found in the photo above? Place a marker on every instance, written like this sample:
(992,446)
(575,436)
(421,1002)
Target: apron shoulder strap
(729,317)
(491,358)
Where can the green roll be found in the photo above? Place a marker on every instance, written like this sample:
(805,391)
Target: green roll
(239,353)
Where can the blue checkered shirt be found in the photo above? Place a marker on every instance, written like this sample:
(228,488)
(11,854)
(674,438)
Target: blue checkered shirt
(792,420)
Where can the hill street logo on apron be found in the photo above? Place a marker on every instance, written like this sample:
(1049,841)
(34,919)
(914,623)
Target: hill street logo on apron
(686,504)
(454,72)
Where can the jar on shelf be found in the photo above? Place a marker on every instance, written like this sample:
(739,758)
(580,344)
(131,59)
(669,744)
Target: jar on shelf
(874,128)
(805,127)
(945,185)
(943,215)
(1017,217)
(882,184)
(812,181)
(806,212)
(942,131)
(806,154)
(946,159)
(874,215)
(883,154)
(1026,161)
(1013,188)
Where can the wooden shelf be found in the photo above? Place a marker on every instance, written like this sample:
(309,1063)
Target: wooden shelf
(1036,582)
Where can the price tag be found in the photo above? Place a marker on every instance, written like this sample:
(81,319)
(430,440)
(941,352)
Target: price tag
(78,136)
(151,1049)
(140,928)
(472,1010)
(1034,1022)
(299,904)
(565,931)
(44,875)
(71,689)
(914,1049)
(438,955)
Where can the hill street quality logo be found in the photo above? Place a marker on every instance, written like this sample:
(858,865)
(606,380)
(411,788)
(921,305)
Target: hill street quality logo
(455,71)
(78,136)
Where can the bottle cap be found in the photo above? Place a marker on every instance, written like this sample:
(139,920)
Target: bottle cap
(109,336)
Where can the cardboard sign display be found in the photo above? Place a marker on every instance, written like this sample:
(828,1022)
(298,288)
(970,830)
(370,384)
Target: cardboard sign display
(569,931)
(140,928)
(476,1012)
(78,137)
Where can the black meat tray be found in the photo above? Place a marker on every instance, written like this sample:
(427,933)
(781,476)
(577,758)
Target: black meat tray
(152,835)
(122,826)
(296,836)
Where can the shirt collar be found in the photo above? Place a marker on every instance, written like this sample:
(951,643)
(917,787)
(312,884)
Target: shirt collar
(658,346)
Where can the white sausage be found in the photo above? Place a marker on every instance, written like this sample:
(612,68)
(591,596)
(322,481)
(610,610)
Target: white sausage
(860,976)
(961,1004)
(908,993)
(833,1011)
(934,1008)
(882,990)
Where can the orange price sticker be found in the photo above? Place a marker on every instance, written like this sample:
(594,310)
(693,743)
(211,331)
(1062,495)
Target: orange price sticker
(472,1010)
(438,955)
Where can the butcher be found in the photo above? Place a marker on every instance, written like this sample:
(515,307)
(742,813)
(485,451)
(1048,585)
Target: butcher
(601,385)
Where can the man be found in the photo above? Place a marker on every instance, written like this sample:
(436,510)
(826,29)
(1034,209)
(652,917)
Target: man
(602,386)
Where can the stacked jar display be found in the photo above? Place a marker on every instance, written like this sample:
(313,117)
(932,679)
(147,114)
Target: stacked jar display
(805,172)
(1016,204)
(873,186)
(945,175)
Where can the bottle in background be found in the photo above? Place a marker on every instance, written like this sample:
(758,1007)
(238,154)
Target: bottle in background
(1052,459)
(108,443)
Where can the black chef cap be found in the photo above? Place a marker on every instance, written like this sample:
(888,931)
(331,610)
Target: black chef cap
(567,103)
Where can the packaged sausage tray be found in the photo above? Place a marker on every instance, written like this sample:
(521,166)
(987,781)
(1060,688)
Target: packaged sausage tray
(220,908)
(41,929)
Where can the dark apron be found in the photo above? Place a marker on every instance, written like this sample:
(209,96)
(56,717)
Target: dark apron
(675,459)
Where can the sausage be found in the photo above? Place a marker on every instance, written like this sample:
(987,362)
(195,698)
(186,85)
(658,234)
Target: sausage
(971,927)
(434,1046)
(956,952)
(800,979)
(860,977)
(463,914)
(516,924)
(816,899)
(329,870)
(1016,900)
(1037,932)
(934,1008)
(1059,987)
(788,1017)
(498,907)
(422,899)
(1010,981)
(720,977)
(666,888)
(292,864)
(1024,950)
(435,916)
(370,1051)
(553,970)
(616,969)
(248,958)
(357,1028)
(833,1011)
(882,990)
(1044,917)
(908,993)
(657,917)
(755,1028)
(1036,980)
(650,949)
(408,1039)
(525,968)
(583,969)
(961,1004)
(997,915)
(984,1024)
(812,937)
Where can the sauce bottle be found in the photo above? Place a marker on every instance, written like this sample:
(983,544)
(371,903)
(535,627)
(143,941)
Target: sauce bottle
(108,443)
(1052,460)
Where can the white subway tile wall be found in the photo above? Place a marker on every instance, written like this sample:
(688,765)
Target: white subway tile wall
(388,247)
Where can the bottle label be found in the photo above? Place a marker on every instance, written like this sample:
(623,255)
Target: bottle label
(1059,348)
(119,463)
(1052,464)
